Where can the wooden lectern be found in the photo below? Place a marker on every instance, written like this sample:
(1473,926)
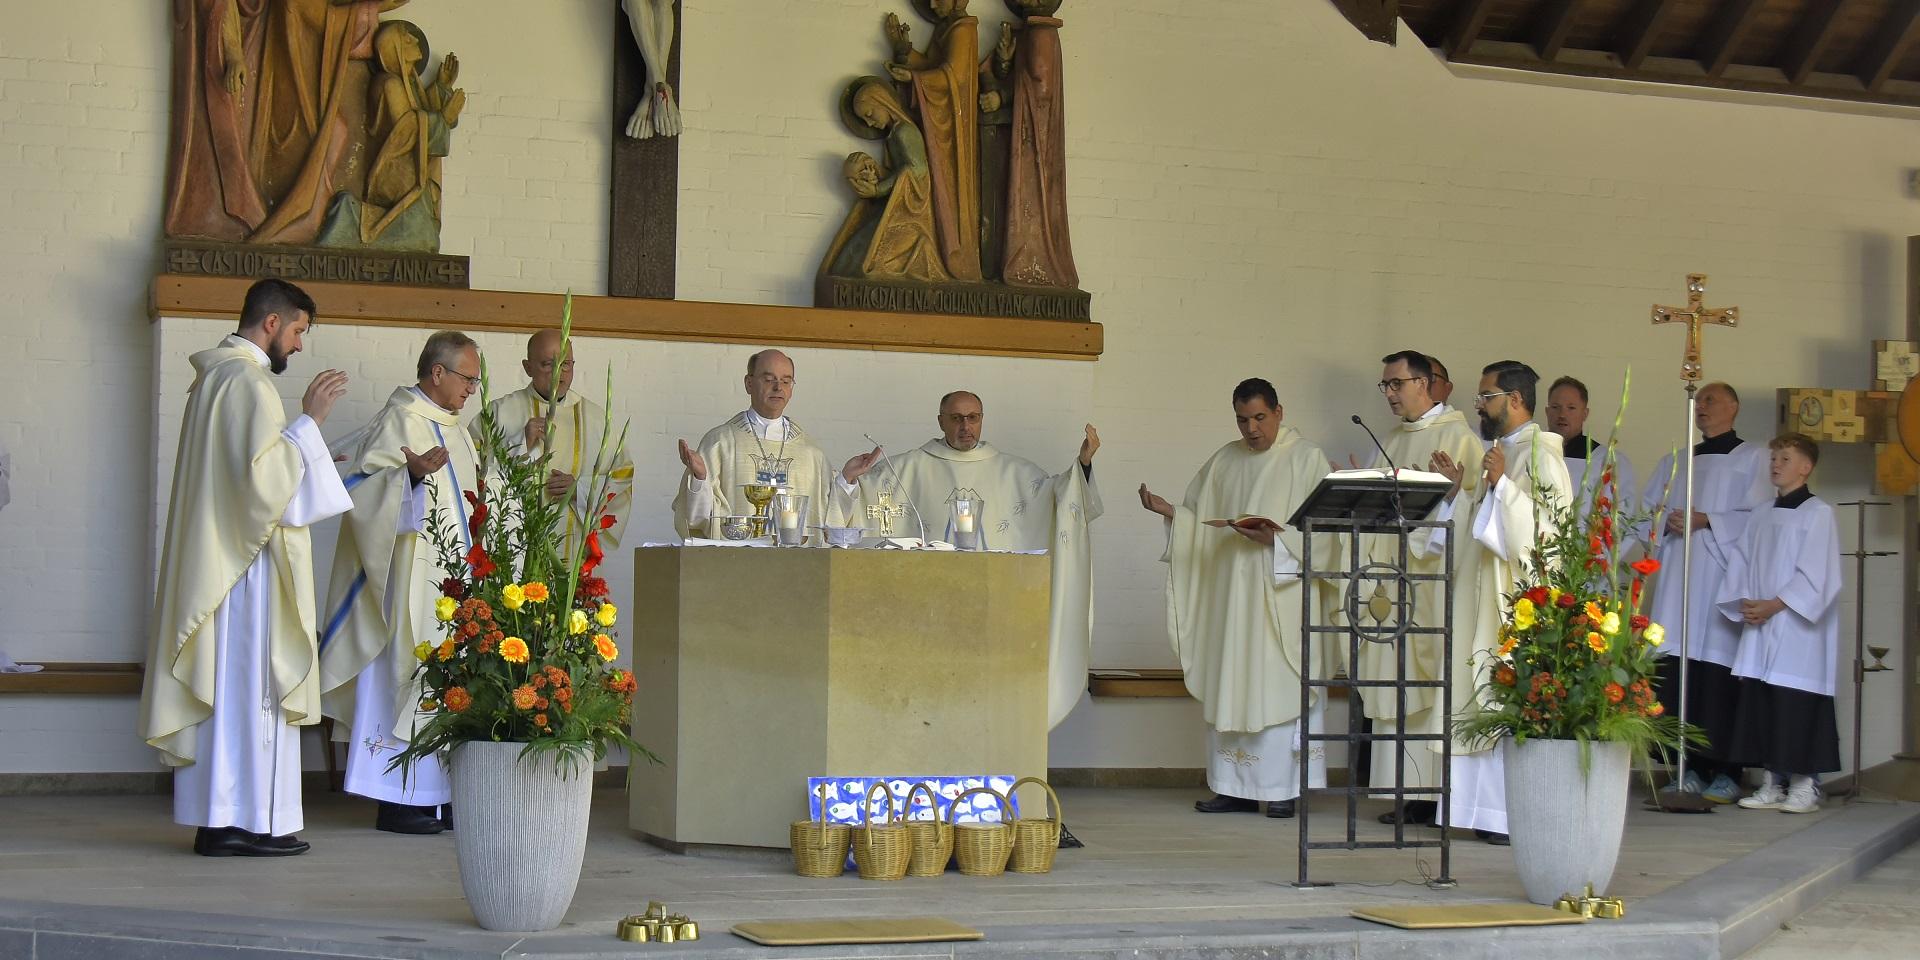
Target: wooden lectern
(759,668)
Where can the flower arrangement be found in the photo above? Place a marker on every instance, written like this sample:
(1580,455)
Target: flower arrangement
(1577,659)
(528,651)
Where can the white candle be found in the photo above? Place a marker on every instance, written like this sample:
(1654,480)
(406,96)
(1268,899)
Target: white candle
(966,522)
(789,519)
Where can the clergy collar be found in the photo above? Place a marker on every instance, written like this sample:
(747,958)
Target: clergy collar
(1580,446)
(415,400)
(239,342)
(1515,435)
(763,427)
(1433,411)
(1724,443)
(937,447)
(1793,498)
(540,403)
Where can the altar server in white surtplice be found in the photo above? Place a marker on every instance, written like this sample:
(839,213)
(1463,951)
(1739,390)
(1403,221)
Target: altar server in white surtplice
(413,459)
(231,674)
(1729,484)
(573,427)
(1782,589)
(1025,509)
(762,445)
(1523,486)
(1233,606)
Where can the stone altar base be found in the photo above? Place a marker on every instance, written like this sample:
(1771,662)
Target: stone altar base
(113,877)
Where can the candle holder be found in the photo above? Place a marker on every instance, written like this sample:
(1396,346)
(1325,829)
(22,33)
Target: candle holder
(790,517)
(968,514)
(759,494)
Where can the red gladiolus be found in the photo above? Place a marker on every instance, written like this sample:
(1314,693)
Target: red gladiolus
(480,563)
(1538,596)
(1646,566)
(1634,598)
(1602,503)
(594,556)
(1568,600)
(607,522)
(1597,547)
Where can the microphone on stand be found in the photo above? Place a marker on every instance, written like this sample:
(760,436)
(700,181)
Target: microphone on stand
(1393,469)
(899,485)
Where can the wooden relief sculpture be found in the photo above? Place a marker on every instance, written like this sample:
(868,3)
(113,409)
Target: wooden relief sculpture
(305,123)
(986,137)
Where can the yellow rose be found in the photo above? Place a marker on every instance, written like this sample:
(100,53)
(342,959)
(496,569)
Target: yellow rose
(444,607)
(1655,634)
(1553,595)
(606,615)
(421,651)
(1523,614)
(1610,624)
(577,622)
(512,597)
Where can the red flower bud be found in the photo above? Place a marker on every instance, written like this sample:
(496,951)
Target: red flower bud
(1646,566)
(607,522)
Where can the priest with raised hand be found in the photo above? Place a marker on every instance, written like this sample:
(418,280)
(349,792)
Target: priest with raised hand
(1026,509)
(1586,457)
(231,673)
(1424,430)
(532,421)
(411,462)
(1233,606)
(762,445)
(1730,482)
(1523,489)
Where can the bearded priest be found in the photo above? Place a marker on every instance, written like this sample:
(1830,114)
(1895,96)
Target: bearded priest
(231,675)
(761,444)
(1233,606)
(1523,488)
(573,427)
(1026,509)
(380,600)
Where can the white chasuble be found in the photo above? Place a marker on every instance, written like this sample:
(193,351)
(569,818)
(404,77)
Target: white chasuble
(386,578)
(1026,509)
(1729,484)
(1507,521)
(575,433)
(1232,613)
(1790,553)
(729,450)
(231,672)
(1411,446)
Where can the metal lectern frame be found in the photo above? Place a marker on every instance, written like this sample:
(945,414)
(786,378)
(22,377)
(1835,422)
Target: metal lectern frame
(1355,523)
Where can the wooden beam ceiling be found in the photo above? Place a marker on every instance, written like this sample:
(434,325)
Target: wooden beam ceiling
(1894,35)
(1467,25)
(1811,39)
(1552,25)
(1642,29)
(1723,36)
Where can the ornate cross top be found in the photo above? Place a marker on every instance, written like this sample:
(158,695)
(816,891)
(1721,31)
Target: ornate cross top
(885,512)
(1693,315)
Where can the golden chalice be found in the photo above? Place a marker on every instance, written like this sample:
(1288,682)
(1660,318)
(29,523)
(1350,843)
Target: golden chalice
(759,494)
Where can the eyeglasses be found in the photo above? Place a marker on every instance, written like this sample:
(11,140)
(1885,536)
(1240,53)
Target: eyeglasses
(1397,384)
(471,381)
(1480,399)
(548,365)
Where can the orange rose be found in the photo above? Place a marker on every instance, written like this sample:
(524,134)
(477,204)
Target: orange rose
(524,698)
(604,646)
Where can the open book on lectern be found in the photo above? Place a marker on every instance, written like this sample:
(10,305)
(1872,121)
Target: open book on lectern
(1371,495)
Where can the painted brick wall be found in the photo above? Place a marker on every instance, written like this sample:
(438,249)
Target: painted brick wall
(1255,191)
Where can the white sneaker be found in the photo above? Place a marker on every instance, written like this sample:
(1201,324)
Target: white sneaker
(1803,796)
(1768,797)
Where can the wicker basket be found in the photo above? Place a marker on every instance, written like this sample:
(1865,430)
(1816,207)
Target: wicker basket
(932,838)
(819,847)
(881,850)
(982,849)
(1036,839)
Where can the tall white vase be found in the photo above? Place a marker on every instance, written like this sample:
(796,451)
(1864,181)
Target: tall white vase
(522,833)
(1565,824)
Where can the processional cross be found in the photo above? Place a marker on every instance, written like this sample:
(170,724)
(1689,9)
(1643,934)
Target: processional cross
(1695,313)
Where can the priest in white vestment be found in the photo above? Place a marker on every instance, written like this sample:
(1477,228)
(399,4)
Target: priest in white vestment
(1523,486)
(1586,458)
(1729,484)
(1233,607)
(1026,509)
(1423,428)
(573,427)
(1782,588)
(762,445)
(231,674)
(412,459)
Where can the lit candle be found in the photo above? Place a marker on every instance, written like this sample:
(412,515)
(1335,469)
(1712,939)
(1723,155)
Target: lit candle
(966,522)
(789,519)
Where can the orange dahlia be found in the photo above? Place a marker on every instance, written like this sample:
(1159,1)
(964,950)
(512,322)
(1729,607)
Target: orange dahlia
(458,699)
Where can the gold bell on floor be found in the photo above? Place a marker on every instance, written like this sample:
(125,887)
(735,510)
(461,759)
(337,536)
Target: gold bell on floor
(658,926)
(1590,906)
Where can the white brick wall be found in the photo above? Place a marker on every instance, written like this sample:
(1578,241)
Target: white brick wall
(1256,191)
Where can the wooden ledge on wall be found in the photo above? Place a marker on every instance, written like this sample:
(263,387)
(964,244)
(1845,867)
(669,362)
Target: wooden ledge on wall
(1153,682)
(382,305)
(77,679)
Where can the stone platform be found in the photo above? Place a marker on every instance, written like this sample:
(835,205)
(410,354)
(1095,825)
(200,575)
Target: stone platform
(112,877)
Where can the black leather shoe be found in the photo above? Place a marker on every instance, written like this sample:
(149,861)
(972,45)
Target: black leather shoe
(400,818)
(289,843)
(1497,839)
(234,842)
(446,815)
(1280,809)
(1221,803)
(1414,812)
